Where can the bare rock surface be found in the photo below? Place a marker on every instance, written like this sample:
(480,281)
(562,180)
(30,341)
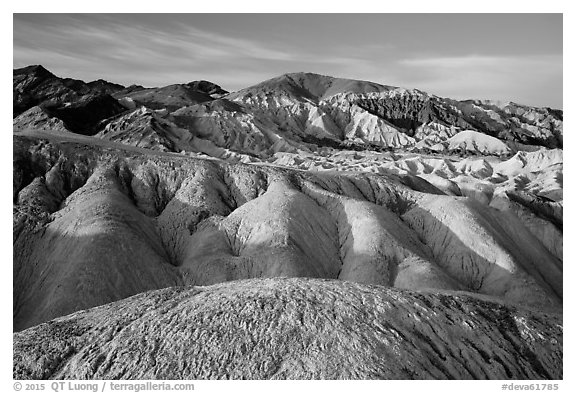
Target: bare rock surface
(34,85)
(37,118)
(97,248)
(301,112)
(97,224)
(173,96)
(294,329)
(281,233)
(304,227)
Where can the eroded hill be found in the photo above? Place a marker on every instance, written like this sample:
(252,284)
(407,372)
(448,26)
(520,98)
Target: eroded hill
(93,225)
(164,207)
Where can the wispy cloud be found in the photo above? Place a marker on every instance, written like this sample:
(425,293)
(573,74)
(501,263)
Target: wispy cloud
(477,76)
(459,62)
(235,47)
(101,47)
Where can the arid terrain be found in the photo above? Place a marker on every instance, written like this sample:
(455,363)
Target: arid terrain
(305,227)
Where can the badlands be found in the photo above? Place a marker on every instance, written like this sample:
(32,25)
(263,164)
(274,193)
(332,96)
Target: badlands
(305,227)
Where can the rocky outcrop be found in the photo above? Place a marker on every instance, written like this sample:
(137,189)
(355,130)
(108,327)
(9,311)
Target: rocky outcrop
(294,329)
(147,129)
(227,125)
(37,118)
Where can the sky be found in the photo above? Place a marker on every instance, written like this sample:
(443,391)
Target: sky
(506,57)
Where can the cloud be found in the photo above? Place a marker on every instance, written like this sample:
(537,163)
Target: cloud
(475,61)
(235,47)
(531,79)
(131,53)
(95,46)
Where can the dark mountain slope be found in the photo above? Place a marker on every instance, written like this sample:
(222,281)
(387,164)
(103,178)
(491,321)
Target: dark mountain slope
(84,114)
(34,85)
(105,87)
(170,97)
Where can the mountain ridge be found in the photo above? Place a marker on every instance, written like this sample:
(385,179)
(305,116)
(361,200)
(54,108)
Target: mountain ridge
(305,227)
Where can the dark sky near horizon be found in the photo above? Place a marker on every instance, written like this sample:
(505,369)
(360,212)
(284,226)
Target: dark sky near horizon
(509,57)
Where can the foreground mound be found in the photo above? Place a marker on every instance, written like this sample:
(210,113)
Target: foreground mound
(294,328)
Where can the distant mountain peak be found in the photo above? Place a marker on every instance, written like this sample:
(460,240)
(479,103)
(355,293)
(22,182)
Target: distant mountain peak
(103,81)
(314,86)
(206,87)
(105,87)
(36,69)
